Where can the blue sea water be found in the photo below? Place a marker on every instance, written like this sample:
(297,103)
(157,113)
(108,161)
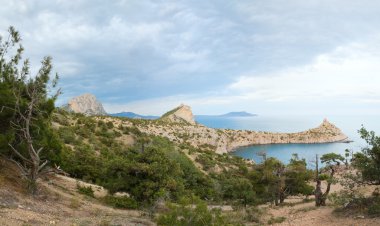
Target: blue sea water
(348,124)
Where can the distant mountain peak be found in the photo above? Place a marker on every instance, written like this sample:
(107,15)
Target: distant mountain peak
(182,113)
(86,104)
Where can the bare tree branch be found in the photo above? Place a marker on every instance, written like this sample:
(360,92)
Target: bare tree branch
(19,154)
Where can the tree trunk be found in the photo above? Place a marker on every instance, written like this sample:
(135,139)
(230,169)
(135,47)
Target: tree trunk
(318,190)
(282,197)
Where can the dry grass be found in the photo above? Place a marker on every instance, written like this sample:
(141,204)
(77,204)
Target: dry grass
(57,202)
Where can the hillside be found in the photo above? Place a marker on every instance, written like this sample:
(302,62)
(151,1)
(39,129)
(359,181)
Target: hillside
(94,143)
(179,126)
(59,203)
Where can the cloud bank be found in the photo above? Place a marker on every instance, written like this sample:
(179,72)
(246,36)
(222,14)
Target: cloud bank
(294,57)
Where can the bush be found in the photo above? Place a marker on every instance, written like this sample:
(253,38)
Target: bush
(109,125)
(121,202)
(206,161)
(374,208)
(67,135)
(276,220)
(191,213)
(86,190)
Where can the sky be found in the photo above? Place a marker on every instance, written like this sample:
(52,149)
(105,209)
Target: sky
(291,57)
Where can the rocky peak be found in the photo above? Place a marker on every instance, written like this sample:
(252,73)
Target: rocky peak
(329,128)
(327,124)
(180,114)
(86,104)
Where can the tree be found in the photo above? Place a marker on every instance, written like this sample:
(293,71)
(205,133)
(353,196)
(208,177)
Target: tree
(25,108)
(273,175)
(284,180)
(331,160)
(368,160)
(346,155)
(298,177)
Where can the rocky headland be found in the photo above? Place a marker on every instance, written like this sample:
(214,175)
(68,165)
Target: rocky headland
(178,125)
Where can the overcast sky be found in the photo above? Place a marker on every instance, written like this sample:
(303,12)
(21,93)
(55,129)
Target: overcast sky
(265,57)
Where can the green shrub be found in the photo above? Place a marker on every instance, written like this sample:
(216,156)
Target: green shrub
(67,135)
(191,213)
(276,220)
(374,208)
(206,161)
(85,190)
(109,125)
(121,202)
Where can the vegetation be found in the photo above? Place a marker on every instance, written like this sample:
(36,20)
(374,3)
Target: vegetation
(25,109)
(123,202)
(191,212)
(331,160)
(365,171)
(86,190)
(368,161)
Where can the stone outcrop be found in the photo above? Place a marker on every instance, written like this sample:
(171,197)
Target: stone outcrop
(86,104)
(180,114)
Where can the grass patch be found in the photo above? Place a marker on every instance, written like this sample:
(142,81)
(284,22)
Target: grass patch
(74,203)
(276,220)
(85,190)
(305,209)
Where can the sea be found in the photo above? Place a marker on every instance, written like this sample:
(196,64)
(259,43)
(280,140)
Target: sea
(348,124)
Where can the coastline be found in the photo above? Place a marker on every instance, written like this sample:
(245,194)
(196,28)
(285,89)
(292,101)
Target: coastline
(328,142)
(227,140)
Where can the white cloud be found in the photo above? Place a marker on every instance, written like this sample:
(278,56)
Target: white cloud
(350,72)
(157,106)
(332,84)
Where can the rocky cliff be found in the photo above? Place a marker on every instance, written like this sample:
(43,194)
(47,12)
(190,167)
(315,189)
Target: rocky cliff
(86,104)
(181,114)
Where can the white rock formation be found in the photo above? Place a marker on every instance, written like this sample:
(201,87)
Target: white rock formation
(180,114)
(86,104)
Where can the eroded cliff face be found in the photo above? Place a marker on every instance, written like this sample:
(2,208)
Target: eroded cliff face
(86,104)
(181,114)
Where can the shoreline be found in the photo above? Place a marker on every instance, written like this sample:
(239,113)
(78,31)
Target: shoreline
(343,141)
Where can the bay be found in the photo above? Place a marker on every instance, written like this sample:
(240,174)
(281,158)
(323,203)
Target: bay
(348,124)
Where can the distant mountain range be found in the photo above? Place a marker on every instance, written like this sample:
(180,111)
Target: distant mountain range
(133,115)
(137,116)
(238,114)
(231,114)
